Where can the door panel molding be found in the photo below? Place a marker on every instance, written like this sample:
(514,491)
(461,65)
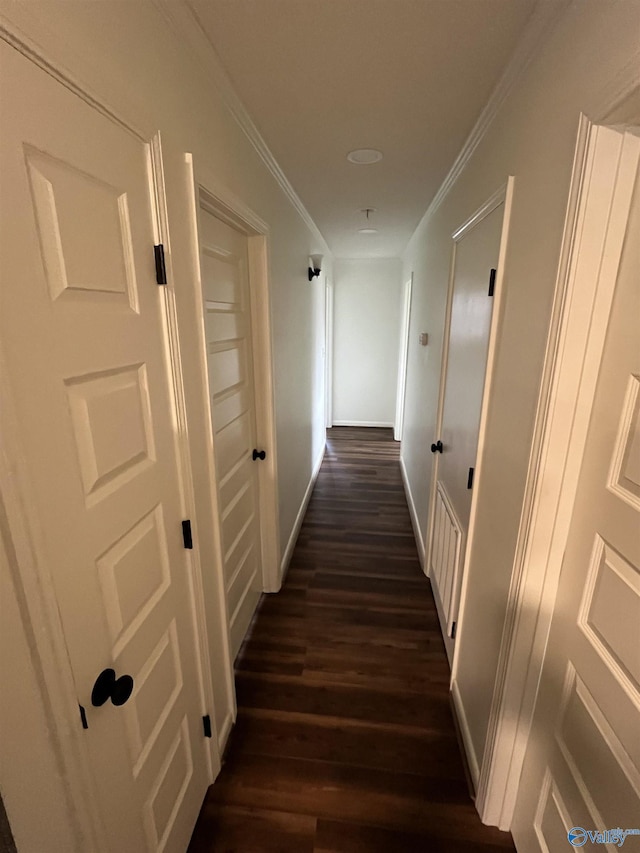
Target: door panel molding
(502,196)
(174,344)
(405,323)
(605,163)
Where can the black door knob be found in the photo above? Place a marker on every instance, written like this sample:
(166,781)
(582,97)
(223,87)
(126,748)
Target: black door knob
(107,686)
(259,454)
(437,447)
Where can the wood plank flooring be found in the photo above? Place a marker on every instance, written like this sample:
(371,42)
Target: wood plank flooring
(344,741)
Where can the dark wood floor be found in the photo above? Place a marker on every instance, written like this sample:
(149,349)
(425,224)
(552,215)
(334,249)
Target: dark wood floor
(344,741)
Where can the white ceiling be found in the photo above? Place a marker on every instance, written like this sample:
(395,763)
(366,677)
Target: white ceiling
(322,77)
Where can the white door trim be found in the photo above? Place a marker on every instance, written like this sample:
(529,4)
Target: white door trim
(503,195)
(224,204)
(599,198)
(328,354)
(402,359)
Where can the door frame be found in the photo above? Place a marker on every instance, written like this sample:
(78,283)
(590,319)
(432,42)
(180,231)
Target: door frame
(605,162)
(328,353)
(503,195)
(222,203)
(403,358)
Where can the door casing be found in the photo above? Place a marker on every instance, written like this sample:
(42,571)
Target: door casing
(34,588)
(605,161)
(403,358)
(502,196)
(227,207)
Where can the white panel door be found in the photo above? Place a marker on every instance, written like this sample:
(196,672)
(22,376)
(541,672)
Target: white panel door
(225,284)
(582,767)
(475,257)
(82,334)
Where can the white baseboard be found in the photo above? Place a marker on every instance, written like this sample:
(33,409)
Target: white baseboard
(414,516)
(463,725)
(225,731)
(291,544)
(364,423)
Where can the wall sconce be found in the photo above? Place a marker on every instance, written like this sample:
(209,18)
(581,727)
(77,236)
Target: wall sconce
(315,266)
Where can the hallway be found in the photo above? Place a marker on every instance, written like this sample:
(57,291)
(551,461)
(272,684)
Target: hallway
(344,741)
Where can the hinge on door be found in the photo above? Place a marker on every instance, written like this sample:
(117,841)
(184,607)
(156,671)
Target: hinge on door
(206,725)
(454,625)
(492,282)
(161,270)
(187,537)
(470,478)
(83,717)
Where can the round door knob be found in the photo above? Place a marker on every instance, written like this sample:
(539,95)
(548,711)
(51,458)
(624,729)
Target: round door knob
(259,454)
(107,686)
(438,447)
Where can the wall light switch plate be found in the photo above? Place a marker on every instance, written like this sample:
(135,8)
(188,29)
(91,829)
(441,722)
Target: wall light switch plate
(424,339)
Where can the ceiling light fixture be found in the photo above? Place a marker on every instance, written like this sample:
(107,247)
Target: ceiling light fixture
(367,230)
(364,156)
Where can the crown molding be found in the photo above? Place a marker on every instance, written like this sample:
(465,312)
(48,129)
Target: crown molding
(541,21)
(184,22)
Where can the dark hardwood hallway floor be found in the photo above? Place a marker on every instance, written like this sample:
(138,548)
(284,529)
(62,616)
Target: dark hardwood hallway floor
(344,741)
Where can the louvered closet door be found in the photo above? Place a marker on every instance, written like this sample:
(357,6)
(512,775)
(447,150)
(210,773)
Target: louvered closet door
(224,262)
(82,335)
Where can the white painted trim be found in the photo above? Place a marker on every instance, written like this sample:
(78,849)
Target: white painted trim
(183,451)
(467,741)
(540,23)
(413,514)
(481,213)
(403,356)
(212,516)
(182,19)
(293,538)
(226,205)
(503,196)
(328,354)
(264,395)
(605,164)
(385,424)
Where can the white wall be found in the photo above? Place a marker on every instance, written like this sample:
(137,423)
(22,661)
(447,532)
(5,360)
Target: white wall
(533,138)
(366,340)
(130,59)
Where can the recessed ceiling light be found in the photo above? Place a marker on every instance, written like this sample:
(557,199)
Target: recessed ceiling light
(367,230)
(364,156)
